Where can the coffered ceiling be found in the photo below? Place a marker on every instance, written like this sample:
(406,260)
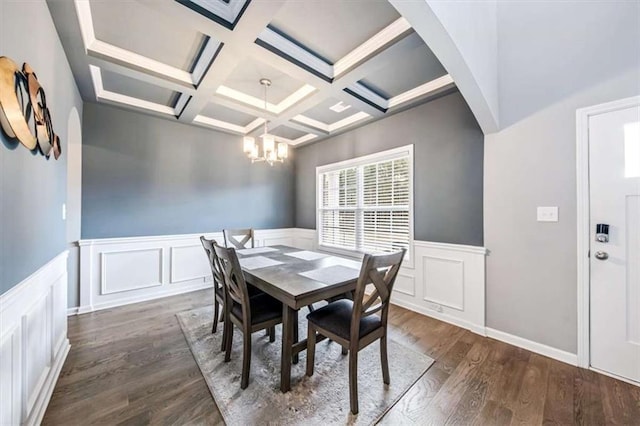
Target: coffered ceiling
(334,64)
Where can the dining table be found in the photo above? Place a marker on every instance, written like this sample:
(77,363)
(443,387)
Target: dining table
(297,278)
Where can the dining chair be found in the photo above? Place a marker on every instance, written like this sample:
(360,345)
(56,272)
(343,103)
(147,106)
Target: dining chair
(218,280)
(249,314)
(358,323)
(239,238)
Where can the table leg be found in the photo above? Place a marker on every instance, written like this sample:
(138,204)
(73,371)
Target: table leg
(288,315)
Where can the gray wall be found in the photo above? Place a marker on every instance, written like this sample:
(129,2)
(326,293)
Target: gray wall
(448,162)
(586,53)
(549,51)
(142,175)
(33,189)
(531,269)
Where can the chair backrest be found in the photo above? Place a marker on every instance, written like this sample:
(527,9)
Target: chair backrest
(381,271)
(238,238)
(214,263)
(234,284)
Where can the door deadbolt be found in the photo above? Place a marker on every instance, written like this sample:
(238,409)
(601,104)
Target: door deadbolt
(602,233)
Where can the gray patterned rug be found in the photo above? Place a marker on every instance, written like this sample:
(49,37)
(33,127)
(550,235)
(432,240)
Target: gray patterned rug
(321,399)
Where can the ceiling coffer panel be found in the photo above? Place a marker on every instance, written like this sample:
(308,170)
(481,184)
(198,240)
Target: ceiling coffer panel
(219,112)
(287,132)
(144,31)
(392,80)
(333,28)
(224,12)
(118,83)
(246,76)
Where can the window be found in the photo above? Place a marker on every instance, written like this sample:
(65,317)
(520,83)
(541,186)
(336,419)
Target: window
(365,205)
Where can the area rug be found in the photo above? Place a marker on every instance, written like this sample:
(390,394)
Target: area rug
(320,399)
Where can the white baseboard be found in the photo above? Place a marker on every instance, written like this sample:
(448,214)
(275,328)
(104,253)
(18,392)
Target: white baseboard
(72,311)
(33,342)
(441,316)
(539,348)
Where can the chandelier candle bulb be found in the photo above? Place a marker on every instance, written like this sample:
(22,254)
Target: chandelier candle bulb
(283,150)
(268,143)
(249,143)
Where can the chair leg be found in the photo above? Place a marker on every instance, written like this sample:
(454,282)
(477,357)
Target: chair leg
(353,380)
(311,308)
(311,349)
(216,311)
(272,334)
(246,359)
(296,335)
(345,351)
(225,335)
(227,355)
(384,359)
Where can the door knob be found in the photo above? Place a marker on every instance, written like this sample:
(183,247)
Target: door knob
(602,255)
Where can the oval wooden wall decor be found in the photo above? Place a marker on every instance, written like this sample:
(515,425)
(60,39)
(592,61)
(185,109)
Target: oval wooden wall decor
(24,114)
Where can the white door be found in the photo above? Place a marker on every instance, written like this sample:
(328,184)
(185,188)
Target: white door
(614,180)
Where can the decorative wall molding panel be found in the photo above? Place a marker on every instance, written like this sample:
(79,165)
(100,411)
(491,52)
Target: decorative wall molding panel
(119,271)
(444,281)
(447,282)
(33,342)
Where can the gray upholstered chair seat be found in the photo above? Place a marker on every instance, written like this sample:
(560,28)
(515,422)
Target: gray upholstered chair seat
(263,308)
(336,317)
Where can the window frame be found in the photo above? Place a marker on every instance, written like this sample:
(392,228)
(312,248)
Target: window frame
(387,155)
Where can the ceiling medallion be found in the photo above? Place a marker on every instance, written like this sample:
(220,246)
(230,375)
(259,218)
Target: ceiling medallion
(24,114)
(269,152)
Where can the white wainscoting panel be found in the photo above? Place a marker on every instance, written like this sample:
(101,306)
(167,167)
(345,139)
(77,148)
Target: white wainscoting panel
(33,342)
(449,284)
(304,239)
(128,270)
(445,281)
(188,263)
(119,271)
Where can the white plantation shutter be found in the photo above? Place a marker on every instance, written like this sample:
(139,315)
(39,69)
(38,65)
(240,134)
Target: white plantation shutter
(338,211)
(367,207)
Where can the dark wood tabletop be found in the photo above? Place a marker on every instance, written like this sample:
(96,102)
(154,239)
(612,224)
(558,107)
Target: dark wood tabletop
(285,282)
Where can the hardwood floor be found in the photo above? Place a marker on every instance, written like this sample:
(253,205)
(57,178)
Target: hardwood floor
(131,365)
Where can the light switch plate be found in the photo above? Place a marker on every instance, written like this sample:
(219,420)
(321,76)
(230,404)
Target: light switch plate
(547,214)
(64,211)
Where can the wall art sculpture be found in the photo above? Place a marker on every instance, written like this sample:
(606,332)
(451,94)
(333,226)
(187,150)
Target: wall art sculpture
(24,114)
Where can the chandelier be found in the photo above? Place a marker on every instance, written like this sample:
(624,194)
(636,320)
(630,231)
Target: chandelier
(270,153)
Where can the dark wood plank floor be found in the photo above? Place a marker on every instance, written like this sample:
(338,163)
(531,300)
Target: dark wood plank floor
(132,365)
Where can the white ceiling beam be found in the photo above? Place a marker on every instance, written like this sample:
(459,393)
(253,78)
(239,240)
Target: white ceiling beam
(255,18)
(108,65)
